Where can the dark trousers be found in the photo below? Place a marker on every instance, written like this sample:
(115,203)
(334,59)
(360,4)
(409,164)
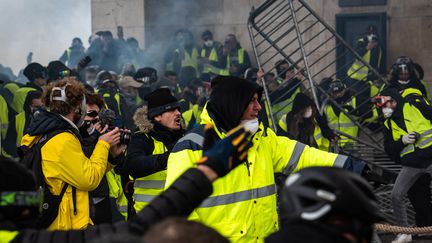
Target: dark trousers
(420,197)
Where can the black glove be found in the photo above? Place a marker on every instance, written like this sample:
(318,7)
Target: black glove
(227,153)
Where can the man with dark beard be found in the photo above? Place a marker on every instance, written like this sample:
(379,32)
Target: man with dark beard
(159,128)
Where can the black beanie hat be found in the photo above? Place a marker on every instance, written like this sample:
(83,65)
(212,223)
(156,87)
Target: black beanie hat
(34,70)
(55,70)
(146,75)
(300,102)
(160,101)
(230,97)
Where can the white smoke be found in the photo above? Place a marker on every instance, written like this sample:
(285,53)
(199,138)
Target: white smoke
(45,27)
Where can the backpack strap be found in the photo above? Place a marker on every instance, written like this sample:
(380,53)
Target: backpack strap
(39,172)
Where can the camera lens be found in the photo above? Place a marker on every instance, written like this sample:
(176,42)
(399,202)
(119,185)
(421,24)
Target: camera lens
(125,137)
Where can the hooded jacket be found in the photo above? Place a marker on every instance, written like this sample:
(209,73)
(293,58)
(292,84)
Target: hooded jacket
(63,160)
(420,158)
(243,205)
(147,157)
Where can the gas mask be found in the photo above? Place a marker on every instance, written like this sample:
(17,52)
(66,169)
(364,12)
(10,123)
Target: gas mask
(251,125)
(208,43)
(308,112)
(387,112)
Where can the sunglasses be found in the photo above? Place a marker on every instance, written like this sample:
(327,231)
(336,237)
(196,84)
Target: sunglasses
(92,113)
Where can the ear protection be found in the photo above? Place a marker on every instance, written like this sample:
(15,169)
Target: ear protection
(64,73)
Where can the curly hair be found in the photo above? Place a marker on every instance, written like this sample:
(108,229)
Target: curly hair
(74,90)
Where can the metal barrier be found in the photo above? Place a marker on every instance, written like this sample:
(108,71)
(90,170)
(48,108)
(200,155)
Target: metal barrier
(290,30)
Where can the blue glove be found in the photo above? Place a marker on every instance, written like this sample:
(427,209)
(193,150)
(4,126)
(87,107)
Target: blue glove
(228,153)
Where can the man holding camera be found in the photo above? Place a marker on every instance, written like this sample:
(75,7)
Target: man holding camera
(159,128)
(370,51)
(65,167)
(408,140)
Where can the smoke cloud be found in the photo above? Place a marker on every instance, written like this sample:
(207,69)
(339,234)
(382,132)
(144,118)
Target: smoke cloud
(45,28)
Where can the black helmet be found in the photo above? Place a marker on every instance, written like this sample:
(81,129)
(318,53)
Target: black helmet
(103,77)
(403,64)
(314,193)
(337,86)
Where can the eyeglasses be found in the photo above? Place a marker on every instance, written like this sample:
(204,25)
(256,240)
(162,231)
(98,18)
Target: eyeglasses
(92,113)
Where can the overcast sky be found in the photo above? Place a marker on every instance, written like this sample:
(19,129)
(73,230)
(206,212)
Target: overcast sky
(45,27)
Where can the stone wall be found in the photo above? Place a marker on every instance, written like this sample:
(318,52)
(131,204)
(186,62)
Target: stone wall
(409,23)
(108,14)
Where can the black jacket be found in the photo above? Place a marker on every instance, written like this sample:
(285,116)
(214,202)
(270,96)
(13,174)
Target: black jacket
(140,160)
(420,158)
(302,233)
(179,199)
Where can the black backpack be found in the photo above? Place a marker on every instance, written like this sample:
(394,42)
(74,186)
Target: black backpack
(31,158)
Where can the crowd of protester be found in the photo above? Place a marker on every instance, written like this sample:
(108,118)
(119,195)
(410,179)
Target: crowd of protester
(119,141)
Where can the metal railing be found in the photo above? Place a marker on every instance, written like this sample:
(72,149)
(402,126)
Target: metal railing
(292,31)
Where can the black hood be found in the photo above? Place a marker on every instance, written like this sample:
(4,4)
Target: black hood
(229,98)
(46,122)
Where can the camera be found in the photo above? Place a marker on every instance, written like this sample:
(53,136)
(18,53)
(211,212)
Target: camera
(108,117)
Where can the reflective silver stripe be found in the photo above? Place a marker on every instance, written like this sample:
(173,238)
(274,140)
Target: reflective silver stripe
(346,124)
(318,136)
(193,137)
(123,209)
(428,132)
(239,196)
(143,198)
(150,184)
(295,157)
(409,148)
(4,126)
(425,142)
(340,161)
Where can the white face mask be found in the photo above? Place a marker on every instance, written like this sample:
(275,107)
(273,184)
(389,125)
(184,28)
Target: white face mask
(403,82)
(387,112)
(308,112)
(251,125)
(208,43)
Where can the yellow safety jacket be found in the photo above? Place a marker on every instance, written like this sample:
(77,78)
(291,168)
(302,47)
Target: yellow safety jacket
(116,191)
(416,123)
(64,161)
(322,142)
(4,118)
(20,121)
(358,70)
(342,122)
(416,92)
(285,106)
(117,99)
(192,116)
(19,98)
(213,57)
(240,54)
(243,204)
(7,236)
(148,187)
